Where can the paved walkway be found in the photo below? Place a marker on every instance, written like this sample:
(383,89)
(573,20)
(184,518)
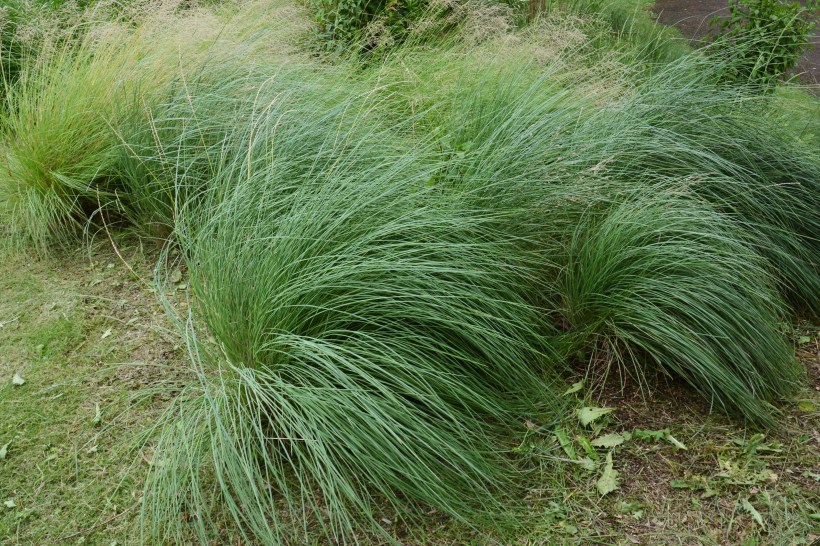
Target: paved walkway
(692,18)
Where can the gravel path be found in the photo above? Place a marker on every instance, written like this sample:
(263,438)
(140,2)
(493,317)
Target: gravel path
(692,18)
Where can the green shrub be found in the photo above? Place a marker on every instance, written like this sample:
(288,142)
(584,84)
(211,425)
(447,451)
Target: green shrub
(344,22)
(765,38)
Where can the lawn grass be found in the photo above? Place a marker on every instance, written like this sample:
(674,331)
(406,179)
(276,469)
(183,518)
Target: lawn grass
(85,337)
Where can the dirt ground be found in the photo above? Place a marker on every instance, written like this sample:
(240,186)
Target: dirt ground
(692,18)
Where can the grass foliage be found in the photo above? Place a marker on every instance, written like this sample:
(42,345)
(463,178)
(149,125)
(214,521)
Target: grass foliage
(662,278)
(733,151)
(378,326)
(392,259)
(59,147)
(10,48)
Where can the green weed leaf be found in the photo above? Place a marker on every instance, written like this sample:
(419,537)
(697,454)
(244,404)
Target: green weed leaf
(566,443)
(584,442)
(608,481)
(806,406)
(587,415)
(748,507)
(608,440)
(674,441)
(587,464)
(575,387)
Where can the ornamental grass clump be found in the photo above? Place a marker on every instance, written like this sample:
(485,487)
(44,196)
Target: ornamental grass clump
(659,278)
(58,143)
(538,123)
(83,105)
(686,280)
(728,145)
(373,338)
(389,258)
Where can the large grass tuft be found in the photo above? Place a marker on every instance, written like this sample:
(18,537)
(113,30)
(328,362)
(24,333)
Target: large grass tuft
(661,279)
(90,95)
(732,146)
(58,143)
(373,338)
